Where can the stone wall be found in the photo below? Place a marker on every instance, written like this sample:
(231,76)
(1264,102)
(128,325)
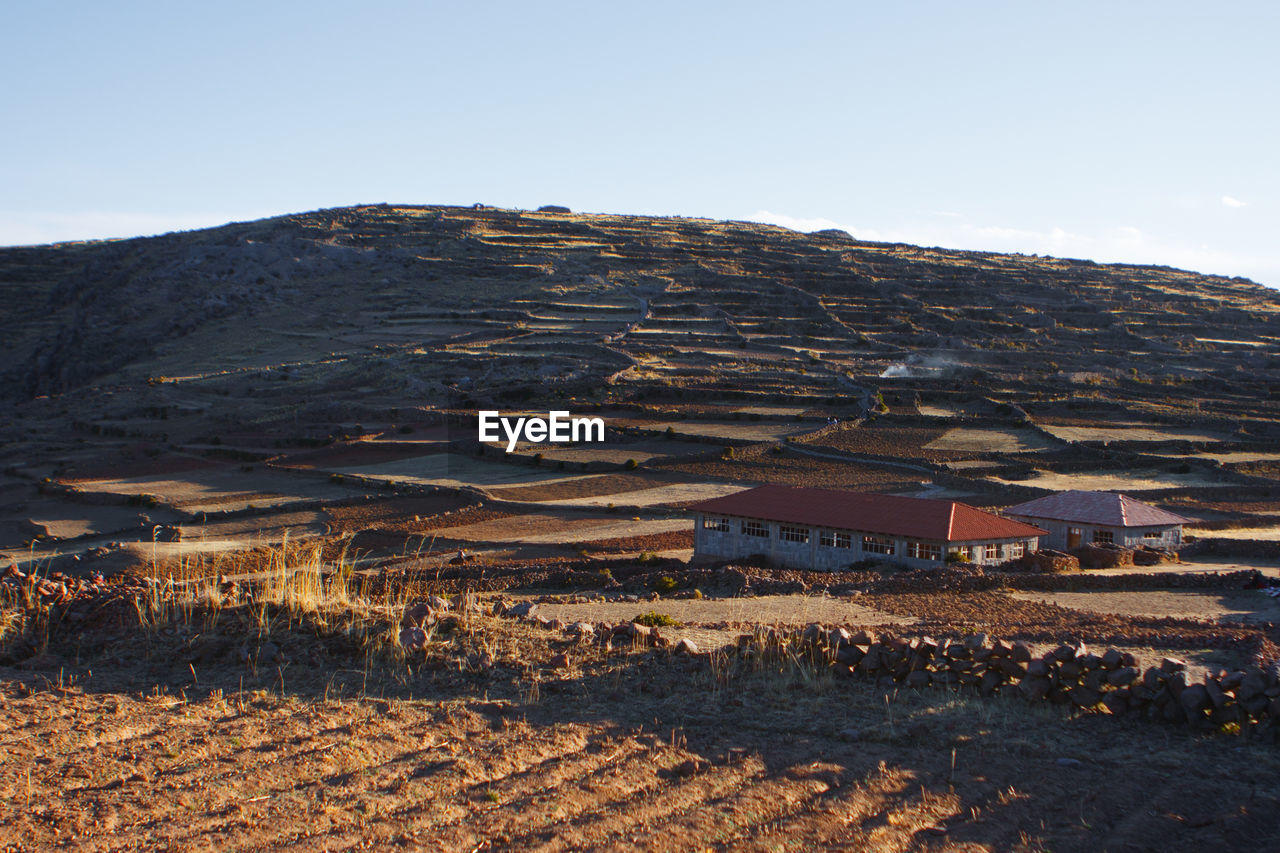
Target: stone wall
(1113,682)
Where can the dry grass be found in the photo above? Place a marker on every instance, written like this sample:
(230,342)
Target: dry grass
(285,714)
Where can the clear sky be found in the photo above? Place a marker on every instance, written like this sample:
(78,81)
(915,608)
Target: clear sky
(1118,131)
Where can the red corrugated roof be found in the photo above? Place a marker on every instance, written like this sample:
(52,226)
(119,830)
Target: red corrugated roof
(921,518)
(1106,508)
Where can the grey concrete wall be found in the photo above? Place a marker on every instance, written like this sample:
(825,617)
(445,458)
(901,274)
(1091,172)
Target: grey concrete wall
(1129,537)
(734,544)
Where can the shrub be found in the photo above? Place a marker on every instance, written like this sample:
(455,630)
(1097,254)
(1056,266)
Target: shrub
(646,558)
(665,583)
(954,557)
(654,619)
(631,465)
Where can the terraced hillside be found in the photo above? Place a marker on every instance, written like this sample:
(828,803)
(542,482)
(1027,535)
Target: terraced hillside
(154,374)
(413,304)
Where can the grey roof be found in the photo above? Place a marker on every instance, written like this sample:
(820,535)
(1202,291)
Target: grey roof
(1106,508)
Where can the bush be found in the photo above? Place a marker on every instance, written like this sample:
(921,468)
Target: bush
(654,619)
(665,583)
(631,465)
(954,557)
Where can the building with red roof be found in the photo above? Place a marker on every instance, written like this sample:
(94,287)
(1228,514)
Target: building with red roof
(1075,518)
(827,529)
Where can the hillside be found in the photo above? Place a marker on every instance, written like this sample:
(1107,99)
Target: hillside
(405,306)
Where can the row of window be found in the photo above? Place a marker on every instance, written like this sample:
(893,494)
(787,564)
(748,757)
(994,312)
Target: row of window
(1107,537)
(870,544)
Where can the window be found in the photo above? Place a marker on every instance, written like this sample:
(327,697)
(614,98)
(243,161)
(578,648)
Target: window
(828,539)
(877,545)
(1103,536)
(924,551)
(755,528)
(990,552)
(790,533)
(1153,534)
(720,524)
(1016,550)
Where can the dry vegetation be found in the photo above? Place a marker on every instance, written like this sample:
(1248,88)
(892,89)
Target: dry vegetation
(289,715)
(789,468)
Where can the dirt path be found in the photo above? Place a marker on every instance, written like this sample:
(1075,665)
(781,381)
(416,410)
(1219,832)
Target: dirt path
(1247,605)
(704,620)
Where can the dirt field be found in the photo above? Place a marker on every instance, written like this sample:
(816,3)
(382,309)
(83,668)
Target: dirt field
(987,440)
(224,489)
(562,528)
(703,620)
(1131,432)
(793,469)
(452,469)
(1243,605)
(1231,456)
(625,752)
(615,452)
(745,430)
(1270,532)
(583,487)
(1117,480)
(68,520)
(671,494)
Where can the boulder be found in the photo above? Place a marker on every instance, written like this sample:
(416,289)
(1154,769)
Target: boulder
(685,646)
(412,637)
(1122,677)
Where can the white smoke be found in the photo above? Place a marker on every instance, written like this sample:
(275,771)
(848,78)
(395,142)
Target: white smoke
(918,367)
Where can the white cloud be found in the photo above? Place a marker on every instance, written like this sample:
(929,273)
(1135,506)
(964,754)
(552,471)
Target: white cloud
(795,223)
(25,228)
(1228,201)
(1121,244)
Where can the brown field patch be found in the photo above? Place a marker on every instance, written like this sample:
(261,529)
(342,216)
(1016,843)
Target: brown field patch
(906,442)
(396,510)
(651,542)
(1248,605)
(796,470)
(357,453)
(584,487)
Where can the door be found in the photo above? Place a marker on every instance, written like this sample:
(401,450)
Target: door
(1073,537)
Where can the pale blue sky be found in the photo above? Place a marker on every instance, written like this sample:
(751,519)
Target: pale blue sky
(1142,132)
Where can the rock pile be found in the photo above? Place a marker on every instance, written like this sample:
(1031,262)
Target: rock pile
(622,635)
(1112,682)
(1051,562)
